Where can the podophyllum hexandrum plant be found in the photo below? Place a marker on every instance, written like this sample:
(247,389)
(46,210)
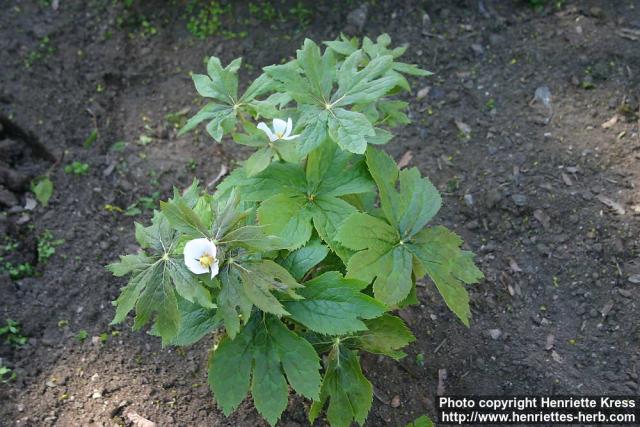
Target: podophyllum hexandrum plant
(305,250)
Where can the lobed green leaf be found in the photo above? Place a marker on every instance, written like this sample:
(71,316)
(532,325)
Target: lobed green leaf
(333,305)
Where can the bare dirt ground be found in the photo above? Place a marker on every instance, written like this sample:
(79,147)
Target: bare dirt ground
(546,195)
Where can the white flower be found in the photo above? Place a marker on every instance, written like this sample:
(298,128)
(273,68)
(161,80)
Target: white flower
(281,130)
(200,256)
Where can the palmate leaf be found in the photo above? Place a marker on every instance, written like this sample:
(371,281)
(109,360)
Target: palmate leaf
(221,85)
(438,252)
(310,80)
(333,305)
(248,282)
(195,322)
(300,261)
(221,221)
(350,130)
(261,278)
(388,252)
(417,202)
(288,216)
(157,279)
(245,283)
(266,350)
(277,178)
(385,335)
(361,86)
(347,390)
(295,201)
(315,120)
(346,47)
(233,303)
(379,257)
(157,297)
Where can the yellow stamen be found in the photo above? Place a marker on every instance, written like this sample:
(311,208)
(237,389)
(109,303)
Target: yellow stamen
(206,260)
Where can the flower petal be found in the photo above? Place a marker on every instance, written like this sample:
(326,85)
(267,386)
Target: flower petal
(289,138)
(193,250)
(287,132)
(193,264)
(264,128)
(279,126)
(215,268)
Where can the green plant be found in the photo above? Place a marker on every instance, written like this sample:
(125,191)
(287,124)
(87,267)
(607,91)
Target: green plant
(263,10)
(10,245)
(82,335)
(204,18)
(76,168)
(490,104)
(302,13)
(177,119)
(423,421)
(12,334)
(40,52)
(18,271)
(6,374)
(305,250)
(144,203)
(93,136)
(47,246)
(42,188)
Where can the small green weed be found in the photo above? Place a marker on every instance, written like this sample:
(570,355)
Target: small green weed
(6,374)
(47,246)
(302,13)
(263,11)
(82,335)
(12,335)
(144,203)
(205,18)
(17,271)
(76,168)
(41,51)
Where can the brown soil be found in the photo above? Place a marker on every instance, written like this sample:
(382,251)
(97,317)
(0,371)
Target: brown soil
(531,189)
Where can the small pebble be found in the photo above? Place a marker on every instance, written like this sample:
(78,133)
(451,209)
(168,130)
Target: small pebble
(395,401)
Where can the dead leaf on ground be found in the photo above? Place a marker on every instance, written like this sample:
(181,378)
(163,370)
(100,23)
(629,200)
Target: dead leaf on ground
(617,207)
(629,33)
(422,93)
(395,401)
(139,421)
(611,122)
(513,266)
(405,159)
(463,127)
(567,179)
(442,377)
(606,309)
